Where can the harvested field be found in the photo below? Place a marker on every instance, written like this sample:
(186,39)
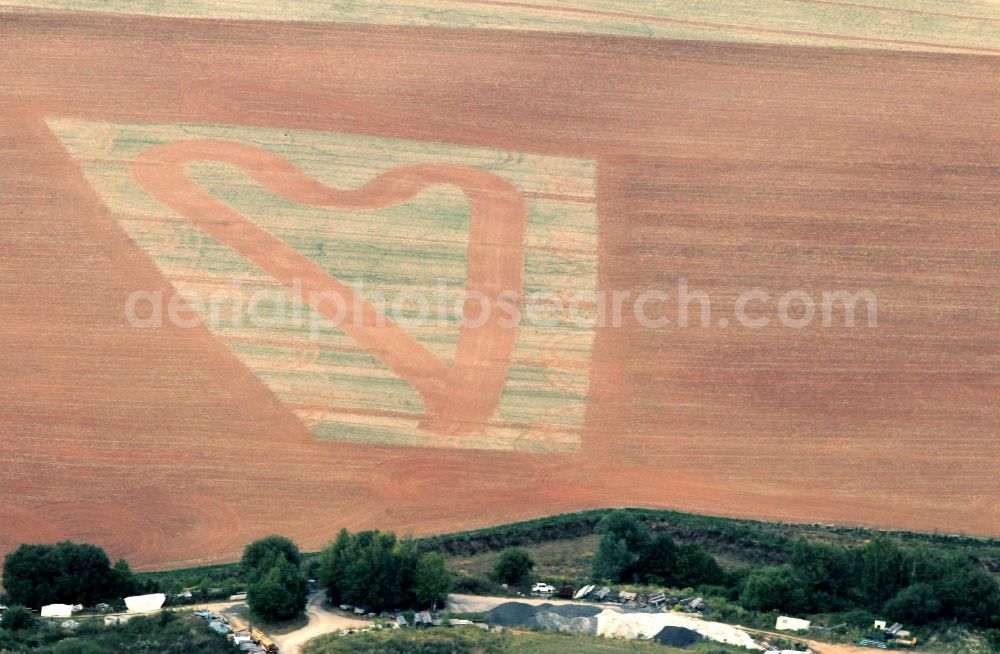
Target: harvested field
(844,147)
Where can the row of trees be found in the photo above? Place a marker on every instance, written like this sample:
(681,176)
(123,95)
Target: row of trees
(628,551)
(370,569)
(913,585)
(80,573)
(66,573)
(378,571)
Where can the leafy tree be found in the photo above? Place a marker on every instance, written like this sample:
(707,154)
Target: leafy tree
(612,559)
(858,618)
(773,588)
(625,527)
(621,545)
(370,569)
(880,571)
(514,566)
(17,617)
(657,564)
(261,555)
(968,593)
(628,551)
(431,581)
(68,573)
(695,567)
(827,571)
(279,594)
(278,590)
(917,604)
(126,583)
(333,567)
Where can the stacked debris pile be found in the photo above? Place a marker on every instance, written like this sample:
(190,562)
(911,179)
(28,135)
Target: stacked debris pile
(648,600)
(693,604)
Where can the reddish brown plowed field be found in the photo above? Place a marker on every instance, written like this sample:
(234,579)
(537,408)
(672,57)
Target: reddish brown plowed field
(735,166)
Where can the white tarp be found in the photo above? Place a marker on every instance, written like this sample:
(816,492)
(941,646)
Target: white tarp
(784,623)
(57,610)
(145,603)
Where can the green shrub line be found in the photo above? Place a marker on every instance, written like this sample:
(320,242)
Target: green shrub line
(753,541)
(167,633)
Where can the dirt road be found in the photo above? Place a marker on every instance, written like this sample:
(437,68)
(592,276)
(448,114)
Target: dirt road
(321,621)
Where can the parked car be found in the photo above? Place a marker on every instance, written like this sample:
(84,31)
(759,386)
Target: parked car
(543,588)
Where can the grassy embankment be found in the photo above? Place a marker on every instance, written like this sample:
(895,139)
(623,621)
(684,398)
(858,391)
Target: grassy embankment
(475,641)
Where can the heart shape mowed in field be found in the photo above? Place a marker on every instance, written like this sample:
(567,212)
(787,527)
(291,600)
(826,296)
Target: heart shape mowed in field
(459,398)
(426,247)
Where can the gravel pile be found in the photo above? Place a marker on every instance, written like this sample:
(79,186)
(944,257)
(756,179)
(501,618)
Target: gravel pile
(568,618)
(563,617)
(571,610)
(677,637)
(511,614)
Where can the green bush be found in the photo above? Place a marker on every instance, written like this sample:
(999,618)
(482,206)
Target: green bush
(260,556)
(166,633)
(627,551)
(475,585)
(369,569)
(917,604)
(280,594)
(881,571)
(65,573)
(513,567)
(17,618)
(431,580)
(278,590)
(77,646)
(773,588)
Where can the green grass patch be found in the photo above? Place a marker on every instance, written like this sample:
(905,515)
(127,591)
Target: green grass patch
(164,633)
(568,558)
(473,640)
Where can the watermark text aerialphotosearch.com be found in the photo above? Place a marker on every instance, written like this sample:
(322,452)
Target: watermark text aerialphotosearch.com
(682,307)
